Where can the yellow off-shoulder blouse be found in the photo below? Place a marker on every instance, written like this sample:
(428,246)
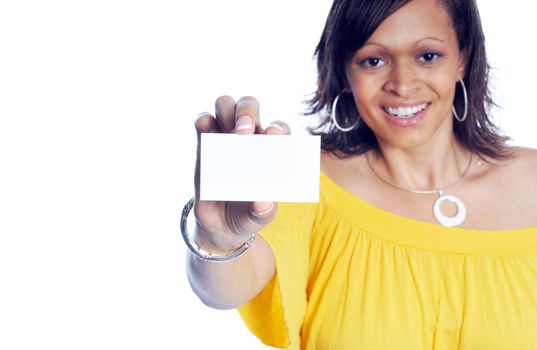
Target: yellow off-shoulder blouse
(353,276)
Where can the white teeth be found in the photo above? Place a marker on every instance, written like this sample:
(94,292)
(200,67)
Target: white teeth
(405,112)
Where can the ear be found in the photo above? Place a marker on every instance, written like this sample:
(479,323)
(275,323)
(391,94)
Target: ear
(463,60)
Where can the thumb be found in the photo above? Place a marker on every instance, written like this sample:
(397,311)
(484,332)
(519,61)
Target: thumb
(246,218)
(261,209)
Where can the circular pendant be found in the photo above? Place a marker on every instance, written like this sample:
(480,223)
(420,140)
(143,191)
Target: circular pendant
(449,221)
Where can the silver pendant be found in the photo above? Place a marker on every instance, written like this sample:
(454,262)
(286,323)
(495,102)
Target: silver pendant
(449,221)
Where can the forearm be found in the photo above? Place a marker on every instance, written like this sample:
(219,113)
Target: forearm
(231,284)
(222,285)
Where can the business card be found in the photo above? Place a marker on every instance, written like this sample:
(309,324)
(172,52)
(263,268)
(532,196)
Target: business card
(278,168)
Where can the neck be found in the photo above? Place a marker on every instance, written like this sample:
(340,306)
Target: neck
(422,168)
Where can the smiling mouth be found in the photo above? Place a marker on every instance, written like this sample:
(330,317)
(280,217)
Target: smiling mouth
(405,112)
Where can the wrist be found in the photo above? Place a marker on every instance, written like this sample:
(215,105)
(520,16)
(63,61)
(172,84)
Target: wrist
(217,243)
(201,252)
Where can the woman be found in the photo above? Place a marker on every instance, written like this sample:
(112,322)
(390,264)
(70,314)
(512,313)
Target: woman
(425,236)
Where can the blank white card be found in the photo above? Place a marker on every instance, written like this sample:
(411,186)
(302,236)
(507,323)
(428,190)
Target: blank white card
(278,168)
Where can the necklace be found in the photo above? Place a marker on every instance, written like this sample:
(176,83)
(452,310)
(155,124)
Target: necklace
(444,220)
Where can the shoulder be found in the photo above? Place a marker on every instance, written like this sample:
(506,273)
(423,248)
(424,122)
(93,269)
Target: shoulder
(528,158)
(522,165)
(523,170)
(521,161)
(343,170)
(515,175)
(333,163)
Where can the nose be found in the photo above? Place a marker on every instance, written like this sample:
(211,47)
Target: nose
(402,80)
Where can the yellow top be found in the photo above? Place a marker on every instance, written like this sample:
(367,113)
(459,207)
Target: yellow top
(353,276)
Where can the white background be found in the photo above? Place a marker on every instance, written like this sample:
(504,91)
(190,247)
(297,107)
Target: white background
(97,145)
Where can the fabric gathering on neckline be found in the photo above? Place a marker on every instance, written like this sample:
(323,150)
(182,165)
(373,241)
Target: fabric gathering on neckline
(344,268)
(420,234)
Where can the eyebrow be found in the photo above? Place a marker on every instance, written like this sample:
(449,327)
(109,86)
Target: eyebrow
(430,38)
(415,43)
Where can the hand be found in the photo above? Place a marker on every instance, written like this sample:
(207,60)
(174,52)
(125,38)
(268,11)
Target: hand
(223,226)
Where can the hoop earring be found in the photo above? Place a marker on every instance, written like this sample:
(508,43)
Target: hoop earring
(465,95)
(334,120)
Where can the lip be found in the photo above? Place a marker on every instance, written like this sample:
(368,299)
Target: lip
(406,122)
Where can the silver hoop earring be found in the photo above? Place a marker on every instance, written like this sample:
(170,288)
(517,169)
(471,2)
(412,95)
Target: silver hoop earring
(334,120)
(465,95)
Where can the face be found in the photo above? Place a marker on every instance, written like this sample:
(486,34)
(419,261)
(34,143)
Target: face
(403,79)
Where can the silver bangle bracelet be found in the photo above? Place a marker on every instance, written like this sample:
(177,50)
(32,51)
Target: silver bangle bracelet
(203,254)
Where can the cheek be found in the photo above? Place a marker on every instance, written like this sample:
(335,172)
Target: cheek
(367,106)
(365,90)
(443,84)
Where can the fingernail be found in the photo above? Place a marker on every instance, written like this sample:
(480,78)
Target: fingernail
(243,123)
(263,208)
(276,126)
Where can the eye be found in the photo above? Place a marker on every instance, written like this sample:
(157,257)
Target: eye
(372,62)
(429,57)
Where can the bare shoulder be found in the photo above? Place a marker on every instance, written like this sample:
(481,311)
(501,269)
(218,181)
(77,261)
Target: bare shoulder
(502,192)
(523,164)
(336,166)
(517,175)
(343,170)
(528,159)
(330,164)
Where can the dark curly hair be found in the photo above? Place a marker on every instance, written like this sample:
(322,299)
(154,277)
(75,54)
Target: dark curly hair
(349,24)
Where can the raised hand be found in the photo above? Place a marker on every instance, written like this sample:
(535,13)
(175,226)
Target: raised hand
(223,226)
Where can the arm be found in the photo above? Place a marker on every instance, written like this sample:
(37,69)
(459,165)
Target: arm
(232,284)
(222,227)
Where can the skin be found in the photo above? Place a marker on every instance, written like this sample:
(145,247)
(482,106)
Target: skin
(223,226)
(403,65)
(400,65)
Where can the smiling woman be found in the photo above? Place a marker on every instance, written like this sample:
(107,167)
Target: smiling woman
(401,79)
(434,47)
(425,235)
(97,152)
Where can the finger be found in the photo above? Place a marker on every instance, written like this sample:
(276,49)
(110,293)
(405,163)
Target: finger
(245,218)
(224,233)
(278,128)
(204,123)
(261,210)
(247,116)
(225,113)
